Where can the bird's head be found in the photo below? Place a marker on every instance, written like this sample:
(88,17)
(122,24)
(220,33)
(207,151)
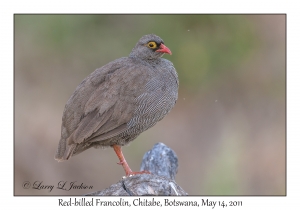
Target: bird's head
(150,47)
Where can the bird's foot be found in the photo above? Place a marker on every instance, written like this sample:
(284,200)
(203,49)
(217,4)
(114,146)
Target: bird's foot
(137,172)
(129,174)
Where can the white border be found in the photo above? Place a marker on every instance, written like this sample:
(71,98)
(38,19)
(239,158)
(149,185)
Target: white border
(153,6)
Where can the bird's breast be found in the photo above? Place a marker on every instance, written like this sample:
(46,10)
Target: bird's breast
(157,99)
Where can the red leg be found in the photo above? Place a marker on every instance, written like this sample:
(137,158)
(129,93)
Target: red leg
(123,162)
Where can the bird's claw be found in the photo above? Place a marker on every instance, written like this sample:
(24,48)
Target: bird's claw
(138,172)
(120,163)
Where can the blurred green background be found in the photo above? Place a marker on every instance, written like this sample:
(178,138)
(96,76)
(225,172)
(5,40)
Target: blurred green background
(227,128)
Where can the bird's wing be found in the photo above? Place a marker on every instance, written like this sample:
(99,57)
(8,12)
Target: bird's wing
(101,105)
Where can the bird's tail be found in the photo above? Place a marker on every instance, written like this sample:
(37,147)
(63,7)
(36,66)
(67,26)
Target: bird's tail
(64,151)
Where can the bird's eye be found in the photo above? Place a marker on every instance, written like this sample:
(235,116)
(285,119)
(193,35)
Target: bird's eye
(152,45)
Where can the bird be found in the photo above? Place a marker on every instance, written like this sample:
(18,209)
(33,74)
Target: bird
(118,101)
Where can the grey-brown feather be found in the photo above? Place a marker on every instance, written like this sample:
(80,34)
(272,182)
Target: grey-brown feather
(118,101)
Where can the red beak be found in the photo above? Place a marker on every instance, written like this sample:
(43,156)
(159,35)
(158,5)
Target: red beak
(164,49)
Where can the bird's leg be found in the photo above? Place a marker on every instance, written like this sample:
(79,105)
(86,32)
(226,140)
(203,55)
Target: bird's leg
(121,157)
(123,162)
